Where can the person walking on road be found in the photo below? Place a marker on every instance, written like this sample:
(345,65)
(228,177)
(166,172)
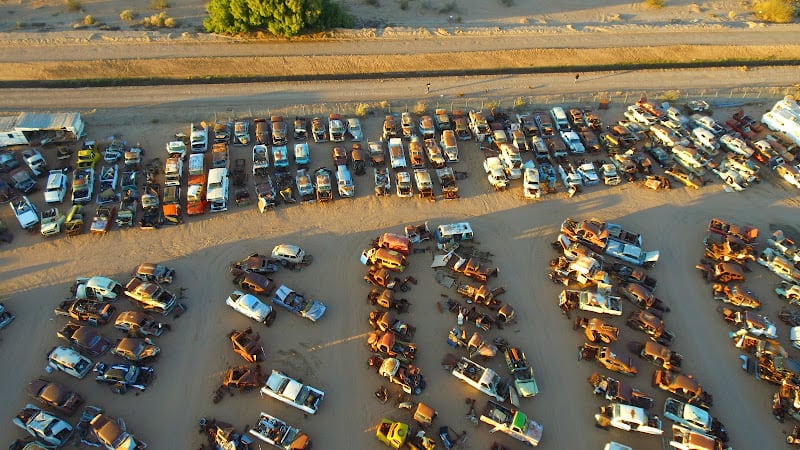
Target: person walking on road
(577,76)
(428,88)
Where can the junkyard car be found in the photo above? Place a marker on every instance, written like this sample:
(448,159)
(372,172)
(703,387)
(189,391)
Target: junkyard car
(290,255)
(26,213)
(246,343)
(296,303)
(113,434)
(254,283)
(155,273)
(292,392)
(736,295)
(54,395)
(44,426)
(628,418)
(642,297)
(136,349)
(521,372)
(56,187)
(684,386)
(85,339)
(69,361)
(249,305)
(103,218)
(619,392)
(658,355)
(121,377)
(22,180)
(139,324)
(723,272)
(86,310)
(609,359)
(354,129)
(255,263)
(651,325)
(150,296)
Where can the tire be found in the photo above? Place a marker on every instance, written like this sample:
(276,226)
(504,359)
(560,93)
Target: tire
(790,440)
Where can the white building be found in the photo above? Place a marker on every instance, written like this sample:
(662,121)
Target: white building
(40,128)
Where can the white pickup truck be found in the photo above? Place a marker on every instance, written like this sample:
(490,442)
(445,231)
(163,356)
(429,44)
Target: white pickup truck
(512,422)
(481,378)
(290,391)
(397,154)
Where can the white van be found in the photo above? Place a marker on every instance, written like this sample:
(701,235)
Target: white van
(217,192)
(197,164)
(560,118)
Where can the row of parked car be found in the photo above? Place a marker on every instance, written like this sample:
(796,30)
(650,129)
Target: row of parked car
(596,282)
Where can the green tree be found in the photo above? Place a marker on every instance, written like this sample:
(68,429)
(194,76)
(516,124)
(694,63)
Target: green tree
(279,17)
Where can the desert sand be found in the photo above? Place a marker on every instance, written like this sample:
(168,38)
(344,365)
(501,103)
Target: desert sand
(37,272)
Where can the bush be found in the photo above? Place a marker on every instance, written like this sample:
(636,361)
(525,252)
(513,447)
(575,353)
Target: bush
(159,4)
(160,20)
(520,103)
(362,109)
(671,96)
(420,107)
(279,17)
(73,5)
(404,5)
(89,20)
(127,15)
(506,2)
(656,4)
(778,11)
(448,8)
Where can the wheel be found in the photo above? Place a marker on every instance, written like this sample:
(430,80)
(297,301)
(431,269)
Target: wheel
(790,440)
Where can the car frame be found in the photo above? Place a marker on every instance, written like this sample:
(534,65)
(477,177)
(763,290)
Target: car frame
(124,376)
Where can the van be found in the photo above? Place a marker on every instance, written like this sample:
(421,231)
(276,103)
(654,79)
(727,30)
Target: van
(384,258)
(396,242)
(449,235)
(560,118)
(68,361)
(217,192)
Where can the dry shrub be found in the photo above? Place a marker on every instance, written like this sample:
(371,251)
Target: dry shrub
(778,11)
(89,20)
(404,4)
(385,104)
(671,96)
(655,4)
(520,103)
(160,20)
(448,8)
(127,15)
(732,15)
(420,107)
(73,5)
(695,8)
(159,4)
(362,109)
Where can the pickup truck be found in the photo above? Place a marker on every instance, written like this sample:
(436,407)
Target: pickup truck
(150,296)
(521,371)
(397,154)
(694,418)
(512,422)
(743,232)
(275,431)
(82,185)
(481,378)
(628,418)
(785,246)
(290,391)
(630,253)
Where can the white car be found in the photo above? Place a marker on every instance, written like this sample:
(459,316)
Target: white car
(530,184)
(354,129)
(736,144)
(25,211)
(33,158)
(56,187)
(292,392)
(629,418)
(176,148)
(589,175)
(404,187)
(69,361)
(44,426)
(250,306)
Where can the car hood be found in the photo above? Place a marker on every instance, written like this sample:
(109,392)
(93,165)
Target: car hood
(526,388)
(314,310)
